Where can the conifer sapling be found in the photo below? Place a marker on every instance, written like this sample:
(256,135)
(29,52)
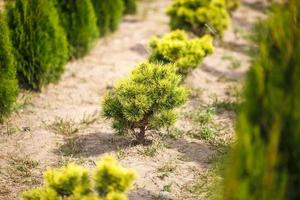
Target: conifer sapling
(145,101)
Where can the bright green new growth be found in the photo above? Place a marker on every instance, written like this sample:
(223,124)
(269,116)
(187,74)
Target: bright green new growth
(39,41)
(109,14)
(232,4)
(109,182)
(130,6)
(186,54)
(145,101)
(265,162)
(199,16)
(8,82)
(80,23)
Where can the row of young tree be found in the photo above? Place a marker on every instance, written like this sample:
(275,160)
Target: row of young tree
(144,101)
(38,37)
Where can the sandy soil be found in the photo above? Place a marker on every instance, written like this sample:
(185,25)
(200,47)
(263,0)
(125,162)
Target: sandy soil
(29,143)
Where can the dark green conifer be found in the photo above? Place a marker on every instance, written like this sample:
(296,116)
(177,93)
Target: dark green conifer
(109,14)
(80,23)
(265,163)
(8,82)
(130,6)
(40,42)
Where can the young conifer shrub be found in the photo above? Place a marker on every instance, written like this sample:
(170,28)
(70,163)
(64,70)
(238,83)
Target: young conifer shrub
(145,101)
(109,14)
(175,47)
(80,24)
(110,181)
(130,6)
(39,41)
(265,163)
(8,82)
(199,17)
(232,4)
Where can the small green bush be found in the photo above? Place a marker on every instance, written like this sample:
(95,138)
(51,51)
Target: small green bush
(145,101)
(232,4)
(8,82)
(130,6)
(109,182)
(175,47)
(80,23)
(199,17)
(40,42)
(109,14)
(265,162)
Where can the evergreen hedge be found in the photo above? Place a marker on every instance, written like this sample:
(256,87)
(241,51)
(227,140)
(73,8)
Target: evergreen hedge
(145,101)
(109,14)
(80,24)
(40,42)
(199,17)
(265,162)
(110,181)
(130,6)
(175,47)
(8,82)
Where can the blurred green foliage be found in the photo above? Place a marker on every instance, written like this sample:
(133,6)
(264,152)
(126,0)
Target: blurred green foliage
(199,16)
(145,101)
(109,14)
(109,182)
(130,6)
(176,48)
(232,4)
(39,42)
(80,24)
(265,162)
(8,82)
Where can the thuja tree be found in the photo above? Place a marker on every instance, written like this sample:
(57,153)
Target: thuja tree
(80,24)
(265,162)
(199,17)
(109,14)
(145,101)
(130,6)
(176,47)
(110,181)
(39,41)
(8,82)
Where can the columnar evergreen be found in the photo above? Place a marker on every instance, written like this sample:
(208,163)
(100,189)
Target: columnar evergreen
(265,163)
(130,6)
(80,24)
(8,82)
(40,42)
(109,14)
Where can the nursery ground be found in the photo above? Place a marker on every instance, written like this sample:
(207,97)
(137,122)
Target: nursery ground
(63,124)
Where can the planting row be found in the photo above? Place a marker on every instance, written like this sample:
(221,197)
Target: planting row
(38,37)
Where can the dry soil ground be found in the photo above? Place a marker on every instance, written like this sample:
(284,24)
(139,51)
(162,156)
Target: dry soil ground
(61,124)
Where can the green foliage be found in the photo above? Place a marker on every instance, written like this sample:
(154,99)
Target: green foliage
(146,100)
(109,14)
(40,42)
(232,4)
(199,16)
(265,162)
(109,182)
(80,23)
(186,54)
(8,82)
(130,6)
